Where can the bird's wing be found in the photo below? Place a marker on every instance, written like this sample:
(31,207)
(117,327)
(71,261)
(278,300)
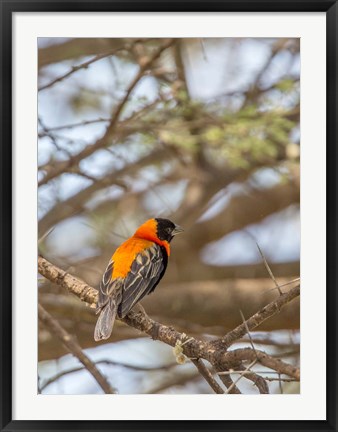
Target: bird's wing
(145,273)
(108,286)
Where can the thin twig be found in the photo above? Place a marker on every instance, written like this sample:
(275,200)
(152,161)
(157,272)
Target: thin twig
(280,384)
(230,372)
(46,234)
(123,124)
(84,65)
(64,166)
(280,379)
(283,285)
(257,380)
(269,269)
(72,125)
(248,331)
(230,385)
(53,138)
(241,375)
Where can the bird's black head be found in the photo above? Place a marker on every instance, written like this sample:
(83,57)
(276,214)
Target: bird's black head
(166,229)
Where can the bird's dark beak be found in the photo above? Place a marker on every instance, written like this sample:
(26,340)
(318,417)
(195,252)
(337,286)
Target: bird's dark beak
(177,230)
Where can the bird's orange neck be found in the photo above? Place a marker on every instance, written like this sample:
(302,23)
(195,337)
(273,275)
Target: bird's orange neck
(148,231)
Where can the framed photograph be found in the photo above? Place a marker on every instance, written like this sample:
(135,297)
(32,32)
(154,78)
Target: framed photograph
(168,215)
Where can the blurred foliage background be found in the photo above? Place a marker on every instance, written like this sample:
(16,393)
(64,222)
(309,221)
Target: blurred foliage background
(202,131)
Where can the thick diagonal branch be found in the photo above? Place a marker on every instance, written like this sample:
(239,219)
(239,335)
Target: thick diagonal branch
(54,327)
(267,312)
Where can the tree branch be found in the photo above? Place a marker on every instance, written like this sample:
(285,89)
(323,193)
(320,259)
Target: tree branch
(263,358)
(84,65)
(54,327)
(267,312)
(76,203)
(108,363)
(77,47)
(259,381)
(64,166)
(215,352)
(207,375)
(72,284)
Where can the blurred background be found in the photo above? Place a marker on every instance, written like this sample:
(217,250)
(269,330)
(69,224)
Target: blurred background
(204,132)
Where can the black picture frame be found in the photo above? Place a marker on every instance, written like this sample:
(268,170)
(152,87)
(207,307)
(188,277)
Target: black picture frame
(10,7)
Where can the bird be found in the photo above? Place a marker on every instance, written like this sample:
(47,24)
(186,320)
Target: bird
(134,271)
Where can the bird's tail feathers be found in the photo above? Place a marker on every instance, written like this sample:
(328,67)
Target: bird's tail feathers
(105,322)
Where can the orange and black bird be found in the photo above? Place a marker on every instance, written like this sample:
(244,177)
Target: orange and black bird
(134,271)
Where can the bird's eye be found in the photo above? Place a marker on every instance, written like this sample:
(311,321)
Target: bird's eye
(168,230)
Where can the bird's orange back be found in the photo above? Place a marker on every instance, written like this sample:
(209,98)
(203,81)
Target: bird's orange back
(144,237)
(125,255)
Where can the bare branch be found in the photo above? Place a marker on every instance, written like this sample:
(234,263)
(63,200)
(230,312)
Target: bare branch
(241,375)
(207,375)
(242,354)
(269,269)
(84,65)
(54,327)
(76,203)
(108,363)
(231,386)
(215,352)
(64,166)
(72,125)
(253,322)
(259,381)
